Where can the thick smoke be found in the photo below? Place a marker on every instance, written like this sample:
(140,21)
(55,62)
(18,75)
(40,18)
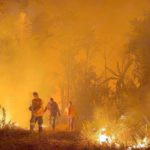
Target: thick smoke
(36,37)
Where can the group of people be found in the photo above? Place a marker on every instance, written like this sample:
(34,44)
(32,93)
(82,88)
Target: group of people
(37,111)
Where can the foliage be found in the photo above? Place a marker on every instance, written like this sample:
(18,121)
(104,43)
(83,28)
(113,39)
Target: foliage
(4,123)
(139,49)
(3,119)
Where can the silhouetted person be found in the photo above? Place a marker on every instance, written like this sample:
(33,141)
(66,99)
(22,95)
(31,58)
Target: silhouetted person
(37,111)
(53,108)
(71,116)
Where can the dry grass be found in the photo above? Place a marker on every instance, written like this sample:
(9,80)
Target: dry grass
(18,139)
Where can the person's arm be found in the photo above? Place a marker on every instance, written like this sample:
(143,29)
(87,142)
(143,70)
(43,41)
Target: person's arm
(31,107)
(58,111)
(46,108)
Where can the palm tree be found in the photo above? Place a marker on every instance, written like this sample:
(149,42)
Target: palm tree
(119,76)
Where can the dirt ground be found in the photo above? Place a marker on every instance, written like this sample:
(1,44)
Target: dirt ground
(18,139)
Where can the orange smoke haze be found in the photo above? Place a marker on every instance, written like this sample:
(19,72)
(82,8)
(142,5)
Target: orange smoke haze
(35,34)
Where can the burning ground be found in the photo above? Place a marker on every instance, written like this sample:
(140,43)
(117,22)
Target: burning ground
(19,139)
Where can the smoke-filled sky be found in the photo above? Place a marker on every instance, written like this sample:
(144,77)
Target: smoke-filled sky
(35,34)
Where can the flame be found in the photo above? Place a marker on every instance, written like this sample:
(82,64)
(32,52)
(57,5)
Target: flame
(142,144)
(16,124)
(44,126)
(8,117)
(103,138)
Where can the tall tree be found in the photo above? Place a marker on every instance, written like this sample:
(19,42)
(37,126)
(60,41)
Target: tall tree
(139,46)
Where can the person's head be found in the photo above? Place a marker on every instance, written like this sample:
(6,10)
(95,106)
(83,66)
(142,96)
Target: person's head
(35,95)
(70,103)
(51,100)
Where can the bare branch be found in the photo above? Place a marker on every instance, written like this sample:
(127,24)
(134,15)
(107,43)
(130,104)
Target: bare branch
(112,72)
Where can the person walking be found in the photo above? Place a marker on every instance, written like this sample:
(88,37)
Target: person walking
(54,111)
(71,113)
(37,112)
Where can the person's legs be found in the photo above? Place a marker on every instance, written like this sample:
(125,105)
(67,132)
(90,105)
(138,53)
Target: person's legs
(53,122)
(69,123)
(40,123)
(32,123)
(72,124)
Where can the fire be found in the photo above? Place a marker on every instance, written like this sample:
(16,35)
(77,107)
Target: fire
(8,117)
(142,144)
(45,126)
(111,139)
(16,124)
(103,138)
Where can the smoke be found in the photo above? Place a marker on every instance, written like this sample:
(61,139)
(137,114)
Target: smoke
(33,35)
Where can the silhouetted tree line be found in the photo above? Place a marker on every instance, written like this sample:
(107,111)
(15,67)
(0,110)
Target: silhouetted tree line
(131,80)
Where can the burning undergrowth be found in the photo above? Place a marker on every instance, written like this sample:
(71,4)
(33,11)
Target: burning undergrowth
(5,121)
(129,130)
(122,116)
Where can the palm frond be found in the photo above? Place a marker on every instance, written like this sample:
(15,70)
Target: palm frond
(112,72)
(108,79)
(118,68)
(126,68)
